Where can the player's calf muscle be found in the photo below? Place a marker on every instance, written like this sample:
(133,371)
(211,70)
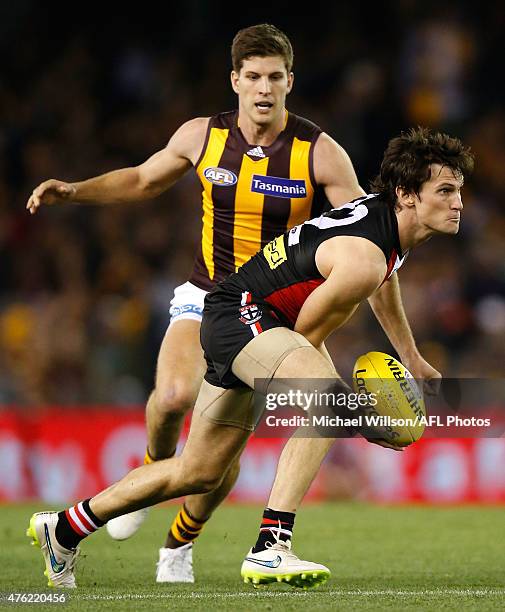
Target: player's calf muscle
(145,485)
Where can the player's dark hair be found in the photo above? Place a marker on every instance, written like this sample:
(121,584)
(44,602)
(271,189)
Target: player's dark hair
(263,40)
(407,159)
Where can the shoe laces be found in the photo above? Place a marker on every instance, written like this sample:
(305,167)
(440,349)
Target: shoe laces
(73,559)
(283,546)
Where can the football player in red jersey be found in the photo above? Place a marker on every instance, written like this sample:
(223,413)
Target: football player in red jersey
(269,321)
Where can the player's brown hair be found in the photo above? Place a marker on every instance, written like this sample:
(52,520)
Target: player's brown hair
(407,159)
(263,40)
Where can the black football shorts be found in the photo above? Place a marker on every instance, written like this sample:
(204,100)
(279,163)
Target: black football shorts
(231,319)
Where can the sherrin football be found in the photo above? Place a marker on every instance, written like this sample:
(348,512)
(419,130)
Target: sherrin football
(399,413)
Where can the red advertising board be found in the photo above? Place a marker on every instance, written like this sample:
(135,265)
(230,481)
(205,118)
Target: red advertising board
(60,455)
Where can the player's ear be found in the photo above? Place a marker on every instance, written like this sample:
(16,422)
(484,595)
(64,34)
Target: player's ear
(234,76)
(291,78)
(404,197)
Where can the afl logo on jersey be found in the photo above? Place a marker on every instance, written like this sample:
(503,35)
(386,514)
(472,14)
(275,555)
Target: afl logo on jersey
(220,176)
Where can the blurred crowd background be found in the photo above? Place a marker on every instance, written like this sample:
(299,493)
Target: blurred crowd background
(85,290)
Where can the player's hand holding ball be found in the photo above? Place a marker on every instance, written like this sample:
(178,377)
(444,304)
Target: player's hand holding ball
(396,415)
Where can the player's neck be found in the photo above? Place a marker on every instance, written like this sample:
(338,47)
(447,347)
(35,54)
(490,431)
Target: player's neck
(261,134)
(410,231)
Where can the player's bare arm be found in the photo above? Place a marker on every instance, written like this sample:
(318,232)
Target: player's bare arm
(333,170)
(333,302)
(387,306)
(143,182)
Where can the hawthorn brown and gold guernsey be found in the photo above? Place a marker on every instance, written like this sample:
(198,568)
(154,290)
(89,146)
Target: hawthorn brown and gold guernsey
(250,193)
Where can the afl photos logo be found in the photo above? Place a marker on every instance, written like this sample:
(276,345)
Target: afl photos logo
(220,176)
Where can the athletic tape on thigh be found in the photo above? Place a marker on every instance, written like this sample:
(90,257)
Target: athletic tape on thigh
(261,358)
(227,406)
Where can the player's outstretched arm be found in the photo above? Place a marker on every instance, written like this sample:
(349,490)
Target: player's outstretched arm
(388,308)
(333,170)
(135,184)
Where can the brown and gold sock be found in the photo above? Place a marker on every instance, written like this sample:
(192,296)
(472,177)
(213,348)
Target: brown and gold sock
(185,529)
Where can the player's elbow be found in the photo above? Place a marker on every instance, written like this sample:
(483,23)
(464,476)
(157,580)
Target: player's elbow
(146,186)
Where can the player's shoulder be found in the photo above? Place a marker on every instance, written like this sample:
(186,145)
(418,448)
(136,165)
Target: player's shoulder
(373,203)
(367,215)
(189,139)
(194,127)
(332,164)
(225,120)
(304,128)
(199,126)
(371,200)
(326,145)
(376,221)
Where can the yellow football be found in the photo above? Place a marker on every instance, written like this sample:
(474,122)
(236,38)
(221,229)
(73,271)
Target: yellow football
(396,413)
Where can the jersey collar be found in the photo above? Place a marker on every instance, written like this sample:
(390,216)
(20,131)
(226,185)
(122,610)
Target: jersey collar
(277,144)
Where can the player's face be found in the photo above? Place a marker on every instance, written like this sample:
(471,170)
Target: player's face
(262,86)
(440,205)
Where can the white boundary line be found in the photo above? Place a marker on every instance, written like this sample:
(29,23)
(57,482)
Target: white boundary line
(287,594)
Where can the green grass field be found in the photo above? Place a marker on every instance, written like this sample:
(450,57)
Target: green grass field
(381,557)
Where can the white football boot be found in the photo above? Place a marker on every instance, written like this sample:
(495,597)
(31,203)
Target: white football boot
(123,527)
(59,561)
(278,564)
(175,564)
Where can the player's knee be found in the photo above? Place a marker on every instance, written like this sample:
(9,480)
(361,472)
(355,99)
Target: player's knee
(203,479)
(209,482)
(174,400)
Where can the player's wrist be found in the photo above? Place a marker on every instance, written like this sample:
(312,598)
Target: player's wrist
(409,354)
(72,191)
